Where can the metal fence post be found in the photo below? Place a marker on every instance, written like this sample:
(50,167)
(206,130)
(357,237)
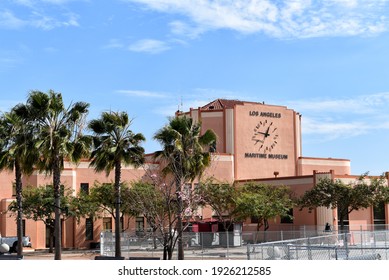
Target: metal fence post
(386,250)
(102,243)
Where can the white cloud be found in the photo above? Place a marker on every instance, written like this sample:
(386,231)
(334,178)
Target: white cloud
(149,46)
(332,129)
(45,22)
(114,44)
(372,104)
(343,118)
(38,15)
(31,3)
(10,21)
(282,19)
(184,29)
(11,59)
(142,93)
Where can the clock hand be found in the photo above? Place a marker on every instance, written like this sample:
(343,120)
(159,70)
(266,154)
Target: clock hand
(257,140)
(267,132)
(259,132)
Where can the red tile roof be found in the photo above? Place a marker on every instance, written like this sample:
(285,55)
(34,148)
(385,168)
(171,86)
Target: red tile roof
(219,104)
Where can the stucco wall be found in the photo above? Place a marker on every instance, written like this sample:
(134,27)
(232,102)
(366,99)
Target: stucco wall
(306,165)
(258,156)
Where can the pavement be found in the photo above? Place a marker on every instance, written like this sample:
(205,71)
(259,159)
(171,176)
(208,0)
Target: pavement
(66,255)
(90,254)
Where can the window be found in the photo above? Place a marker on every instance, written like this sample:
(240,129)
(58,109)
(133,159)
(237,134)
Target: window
(84,187)
(254,220)
(107,224)
(345,218)
(24,227)
(379,214)
(13,189)
(139,225)
(288,219)
(89,229)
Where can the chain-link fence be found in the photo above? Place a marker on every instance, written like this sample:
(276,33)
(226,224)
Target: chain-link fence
(197,245)
(309,245)
(355,245)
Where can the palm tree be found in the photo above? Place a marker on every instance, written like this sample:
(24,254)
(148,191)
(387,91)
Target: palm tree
(186,155)
(58,136)
(17,153)
(115,144)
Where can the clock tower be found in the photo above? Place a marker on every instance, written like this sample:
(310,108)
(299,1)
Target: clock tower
(272,142)
(262,139)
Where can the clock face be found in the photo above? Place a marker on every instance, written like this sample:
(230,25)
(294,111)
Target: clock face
(265,136)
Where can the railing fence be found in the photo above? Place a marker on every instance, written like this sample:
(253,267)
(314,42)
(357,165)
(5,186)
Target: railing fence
(297,244)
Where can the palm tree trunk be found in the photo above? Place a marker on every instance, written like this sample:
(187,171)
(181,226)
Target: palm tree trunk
(57,210)
(118,251)
(19,225)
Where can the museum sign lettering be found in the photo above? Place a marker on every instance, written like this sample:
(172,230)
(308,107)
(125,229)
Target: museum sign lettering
(264,114)
(265,156)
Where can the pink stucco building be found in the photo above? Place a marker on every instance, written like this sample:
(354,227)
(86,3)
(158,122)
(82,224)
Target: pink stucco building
(256,142)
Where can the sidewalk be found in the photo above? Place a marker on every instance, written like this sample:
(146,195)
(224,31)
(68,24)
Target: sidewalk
(66,255)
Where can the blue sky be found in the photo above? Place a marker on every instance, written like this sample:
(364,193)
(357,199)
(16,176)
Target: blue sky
(328,60)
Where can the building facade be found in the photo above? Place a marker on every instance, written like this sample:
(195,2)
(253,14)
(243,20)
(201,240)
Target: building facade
(256,142)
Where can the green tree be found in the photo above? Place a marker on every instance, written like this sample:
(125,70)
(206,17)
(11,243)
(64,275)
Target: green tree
(346,198)
(115,144)
(156,201)
(222,198)
(39,205)
(153,203)
(264,202)
(185,155)
(17,153)
(58,136)
(101,199)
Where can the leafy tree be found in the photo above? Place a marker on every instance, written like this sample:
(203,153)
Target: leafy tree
(153,203)
(115,144)
(39,205)
(102,199)
(346,198)
(184,155)
(263,202)
(156,201)
(222,198)
(17,153)
(58,136)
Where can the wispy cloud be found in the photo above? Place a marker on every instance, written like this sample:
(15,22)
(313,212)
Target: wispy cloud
(331,129)
(149,46)
(32,3)
(45,22)
(281,19)
(38,15)
(114,44)
(142,93)
(343,117)
(10,59)
(364,104)
(10,21)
